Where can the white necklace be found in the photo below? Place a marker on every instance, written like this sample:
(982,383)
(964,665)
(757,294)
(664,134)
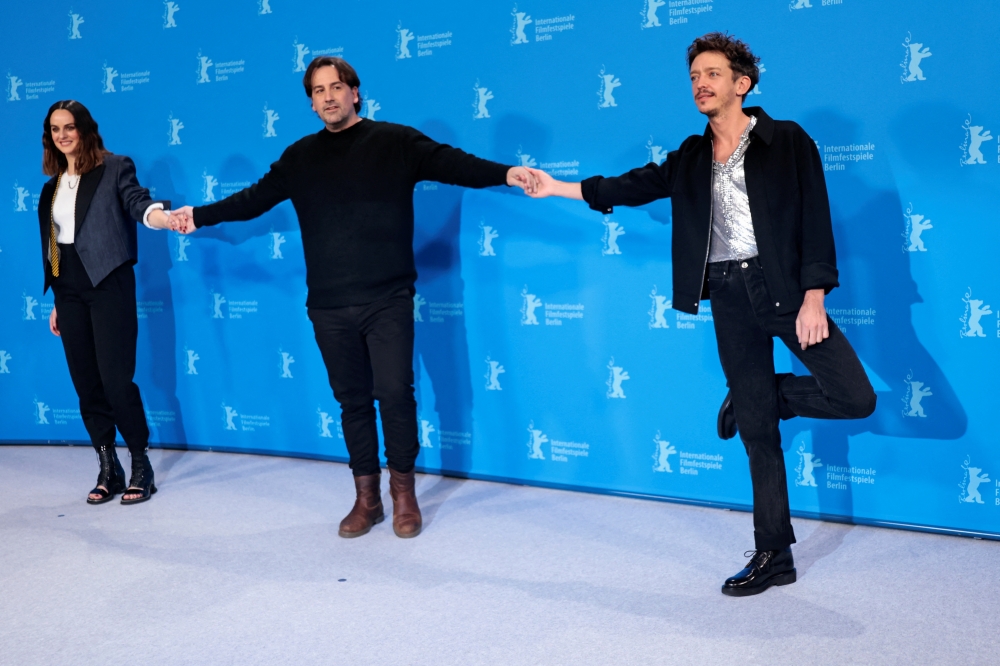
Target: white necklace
(71,182)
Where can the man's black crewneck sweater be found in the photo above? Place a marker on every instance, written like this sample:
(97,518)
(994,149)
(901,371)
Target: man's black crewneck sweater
(353,193)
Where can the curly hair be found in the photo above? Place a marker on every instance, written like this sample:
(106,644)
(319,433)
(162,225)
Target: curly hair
(741,59)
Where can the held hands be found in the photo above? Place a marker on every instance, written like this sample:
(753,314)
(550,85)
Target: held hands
(550,187)
(811,325)
(182,220)
(522,177)
(546,184)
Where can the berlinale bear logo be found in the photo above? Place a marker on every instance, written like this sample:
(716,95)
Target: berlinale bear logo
(169,9)
(915,393)
(535,440)
(299,59)
(228,416)
(528,307)
(521,21)
(916,225)
(426,428)
(403,39)
(13,83)
(482,97)
(606,92)
(74,26)
(650,19)
(204,63)
(418,301)
(270,117)
(657,315)
(616,376)
(662,454)
(324,423)
(612,232)
(975,310)
(29,307)
(286,364)
(208,183)
(109,78)
(971,147)
(487,235)
(807,464)
(41,412)
(192,357)
(371,106)
(173,132)
(20,194)
(913,53)
(974,477)
(493,372)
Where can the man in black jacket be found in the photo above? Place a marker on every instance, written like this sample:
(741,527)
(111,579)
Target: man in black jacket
(352,188)
(751,232)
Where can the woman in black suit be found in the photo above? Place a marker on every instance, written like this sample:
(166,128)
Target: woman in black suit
(87,220)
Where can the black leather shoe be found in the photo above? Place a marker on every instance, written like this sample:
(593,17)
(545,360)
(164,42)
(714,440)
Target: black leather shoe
(726,424)
(765,568)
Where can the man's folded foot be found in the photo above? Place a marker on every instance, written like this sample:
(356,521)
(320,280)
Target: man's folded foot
(726,424)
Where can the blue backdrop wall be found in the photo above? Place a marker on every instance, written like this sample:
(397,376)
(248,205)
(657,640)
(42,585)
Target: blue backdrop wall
(546,348)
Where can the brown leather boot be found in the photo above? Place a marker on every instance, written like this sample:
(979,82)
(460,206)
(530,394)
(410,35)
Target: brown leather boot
(367,511)
(406,520)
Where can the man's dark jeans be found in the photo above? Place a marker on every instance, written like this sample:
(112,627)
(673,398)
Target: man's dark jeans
(368,352)
(745,323)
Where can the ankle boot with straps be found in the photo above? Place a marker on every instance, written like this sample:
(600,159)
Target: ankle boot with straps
(111,478)
(141,483)
(367,511)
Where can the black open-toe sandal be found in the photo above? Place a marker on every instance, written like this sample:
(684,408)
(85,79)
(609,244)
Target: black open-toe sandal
(142,479)
(111,478)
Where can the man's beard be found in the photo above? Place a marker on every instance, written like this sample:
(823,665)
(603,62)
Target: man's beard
(719,108)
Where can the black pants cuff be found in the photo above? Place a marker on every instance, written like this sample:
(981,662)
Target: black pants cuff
(773,541)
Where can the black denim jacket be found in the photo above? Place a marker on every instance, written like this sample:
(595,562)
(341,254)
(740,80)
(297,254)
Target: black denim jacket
(788,204)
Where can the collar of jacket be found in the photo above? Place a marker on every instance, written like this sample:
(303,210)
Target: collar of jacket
(87,187)
(763,129)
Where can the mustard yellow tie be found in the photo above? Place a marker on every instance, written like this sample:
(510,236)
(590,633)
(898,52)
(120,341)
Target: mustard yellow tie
(53,247)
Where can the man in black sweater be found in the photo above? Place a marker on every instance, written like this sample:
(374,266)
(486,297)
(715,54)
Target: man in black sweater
(352,188)
(751,232)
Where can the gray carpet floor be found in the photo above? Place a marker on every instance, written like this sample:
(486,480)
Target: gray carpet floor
(237,561)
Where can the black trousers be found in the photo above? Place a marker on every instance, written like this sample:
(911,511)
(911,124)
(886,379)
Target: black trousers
(368,352)
(99,327)
(838,388)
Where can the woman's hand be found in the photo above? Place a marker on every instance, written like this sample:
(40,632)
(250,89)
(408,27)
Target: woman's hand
(54,323)
(158,219)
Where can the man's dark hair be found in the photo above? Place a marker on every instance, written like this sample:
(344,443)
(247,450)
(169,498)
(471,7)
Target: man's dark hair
(344,71)
(741,59)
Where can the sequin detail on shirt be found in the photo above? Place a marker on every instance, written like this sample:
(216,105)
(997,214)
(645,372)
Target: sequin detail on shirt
(732,226)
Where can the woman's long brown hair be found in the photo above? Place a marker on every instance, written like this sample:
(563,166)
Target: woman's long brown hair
(92,150)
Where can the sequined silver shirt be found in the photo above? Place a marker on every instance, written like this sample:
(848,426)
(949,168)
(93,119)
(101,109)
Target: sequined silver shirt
(732,227)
